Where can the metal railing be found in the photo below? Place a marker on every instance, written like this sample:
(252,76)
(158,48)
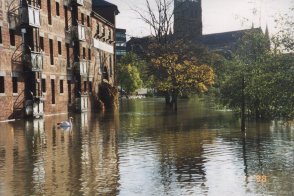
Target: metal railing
(29,15)
(82,67)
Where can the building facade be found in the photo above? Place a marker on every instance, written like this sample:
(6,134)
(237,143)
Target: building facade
(52,59)
(187,18)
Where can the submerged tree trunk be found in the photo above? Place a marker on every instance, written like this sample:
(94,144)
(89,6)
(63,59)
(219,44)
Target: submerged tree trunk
(257,110)
(243,127)
(167,98)
(174,101)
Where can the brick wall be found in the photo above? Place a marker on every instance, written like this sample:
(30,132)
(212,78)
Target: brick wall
(59,70)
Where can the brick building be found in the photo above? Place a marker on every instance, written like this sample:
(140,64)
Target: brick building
(54,55)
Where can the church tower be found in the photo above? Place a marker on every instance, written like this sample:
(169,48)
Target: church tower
(187,18)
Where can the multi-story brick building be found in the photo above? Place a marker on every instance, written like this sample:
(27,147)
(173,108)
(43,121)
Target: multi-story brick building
(54,54)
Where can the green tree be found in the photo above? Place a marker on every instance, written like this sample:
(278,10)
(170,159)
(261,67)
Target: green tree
(240,89)
(129,72)
(177,76)
(141,65)
(257,82)
(284,39)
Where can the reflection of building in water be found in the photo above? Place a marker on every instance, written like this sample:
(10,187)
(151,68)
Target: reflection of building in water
(44,160)
(98,157)
(6,158)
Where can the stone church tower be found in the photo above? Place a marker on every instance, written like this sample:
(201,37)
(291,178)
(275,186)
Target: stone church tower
(187,18)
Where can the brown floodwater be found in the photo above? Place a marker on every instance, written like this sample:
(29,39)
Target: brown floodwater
(144,149)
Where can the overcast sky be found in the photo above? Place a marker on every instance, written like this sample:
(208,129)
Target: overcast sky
(218,15)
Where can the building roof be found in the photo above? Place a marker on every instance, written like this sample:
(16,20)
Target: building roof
(225,40)
(225,37)
(102,3)
(121,30)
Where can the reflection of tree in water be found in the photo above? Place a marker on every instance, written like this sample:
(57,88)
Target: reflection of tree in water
(267,153)
(182,160)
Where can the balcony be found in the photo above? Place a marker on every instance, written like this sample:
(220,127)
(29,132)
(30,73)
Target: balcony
(81,32)
(75,32)
(30,15)
(103,46)
(34,108)
(24,16)
(66,3)
(36,61)
(78,2)
(82,67)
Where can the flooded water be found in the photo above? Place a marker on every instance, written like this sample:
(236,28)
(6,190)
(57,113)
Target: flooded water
(145,150)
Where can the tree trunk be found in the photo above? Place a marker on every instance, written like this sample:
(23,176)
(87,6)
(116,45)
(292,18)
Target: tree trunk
(243,106)
(257,110)
(167,98)
(175,101)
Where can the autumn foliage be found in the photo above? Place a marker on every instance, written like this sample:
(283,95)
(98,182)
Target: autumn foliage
(178,76)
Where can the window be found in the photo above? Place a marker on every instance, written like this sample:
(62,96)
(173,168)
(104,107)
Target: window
(67,55)
(51,51)
(85,86)
(52,91)
(1,41)
(69,90)
(103,31)
(14,85)
(88,21)
(61,86)
(42,43)
(49,12)
(89,54)
(84,53)
(59,48)
(98,29)
(12,37)
(40,4)
(109,34)
(90,87)
(82,18)
(110,65)
(43,85)
(2,84)
(57,9)
(66,18)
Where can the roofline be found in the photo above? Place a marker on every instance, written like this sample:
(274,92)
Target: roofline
(98,16)
(235,31)
(109,5)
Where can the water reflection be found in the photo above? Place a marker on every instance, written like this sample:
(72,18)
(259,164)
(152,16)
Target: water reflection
(146,150)
(37,158)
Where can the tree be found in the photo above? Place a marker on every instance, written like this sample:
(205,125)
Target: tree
(129,74)
(177,66)
(176,76)
(240,89)
(284,39)
(257,82)
(141,65)
(159,19)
